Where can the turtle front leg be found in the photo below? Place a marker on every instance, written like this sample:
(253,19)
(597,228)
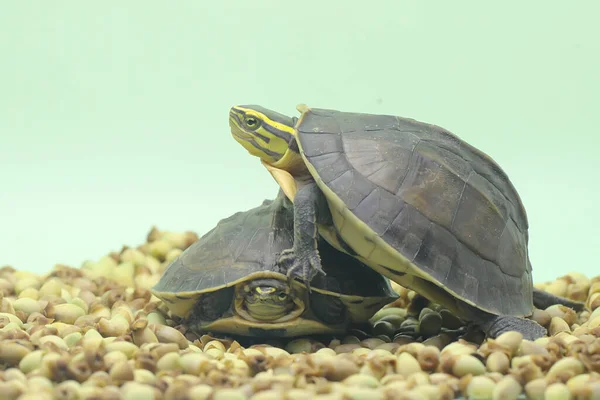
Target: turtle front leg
(302,260)
(497,325)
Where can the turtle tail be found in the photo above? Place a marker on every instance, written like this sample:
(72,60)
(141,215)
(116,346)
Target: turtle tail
(543,300)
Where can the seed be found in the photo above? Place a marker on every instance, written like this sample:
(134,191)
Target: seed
(467,364)
(557,391)
(480,387)
(498,362)
(137,391)
(166,334)
(557,325)
(507,388)
(566,365)
(510,340)
(13,351)
(407,364)
(361,380)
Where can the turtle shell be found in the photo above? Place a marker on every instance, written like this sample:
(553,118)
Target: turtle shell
(246,245)
(414,200)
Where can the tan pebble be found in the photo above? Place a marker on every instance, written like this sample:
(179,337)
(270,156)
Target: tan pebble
(565,313)
(31,361)
(11,326)
(11,318)
(169,362)
(67,390)
(528,347)
(120,372)
(579,385)
(299,346)
(228,394)
(480,387)
(269,394)
(467,364)
(299,394)
(507,388)
(510,340)
(137,391)
(418,379)
(557,325)
(144,335)
(72,339)
(428,358)
(426,391)
(112,357)
(55,340)
(67,313)
(39,384)
(541,317)
(25,283)
(406,364)
(30,293)
(593,301)
(361,380)
(515,362)
(115,326)
(557,288)
(457,348)
(440,377)
(360,393)
(594,323)
(275,352)
(80,303)
(594,314)
(542,341)
(144,376)
(391,378)
(557,391)
(166,334)
(193,363)
(35,396)
(14,374)
(498,362)
(13,351)
(200,392)
(565,365)
(128,348)
(215,353)
(51,287)
(27,305)
(325,351)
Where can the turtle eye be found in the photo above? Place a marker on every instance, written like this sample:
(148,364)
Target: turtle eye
(282,296)
(252,122)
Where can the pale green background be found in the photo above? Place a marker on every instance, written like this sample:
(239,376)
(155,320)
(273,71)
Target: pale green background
(113,115)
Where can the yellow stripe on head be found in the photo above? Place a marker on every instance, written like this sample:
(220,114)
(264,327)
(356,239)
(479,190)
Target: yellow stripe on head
(263,133)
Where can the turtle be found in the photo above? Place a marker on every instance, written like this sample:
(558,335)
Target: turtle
(409,199)
(228,281)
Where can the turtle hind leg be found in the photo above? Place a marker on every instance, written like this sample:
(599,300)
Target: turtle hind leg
(497,325)
(543,300)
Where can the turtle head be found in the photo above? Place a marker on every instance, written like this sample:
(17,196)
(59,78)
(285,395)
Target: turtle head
(268,299)
(264,133)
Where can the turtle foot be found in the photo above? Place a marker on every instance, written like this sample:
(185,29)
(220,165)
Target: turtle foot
(302,265)
(530,329)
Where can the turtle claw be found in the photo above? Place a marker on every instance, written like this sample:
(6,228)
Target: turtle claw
(303,266)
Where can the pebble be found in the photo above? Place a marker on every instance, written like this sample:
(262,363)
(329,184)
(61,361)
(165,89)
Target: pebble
(98,332)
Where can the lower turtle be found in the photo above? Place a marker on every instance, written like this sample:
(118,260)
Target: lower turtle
(409,199)
(228,282)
